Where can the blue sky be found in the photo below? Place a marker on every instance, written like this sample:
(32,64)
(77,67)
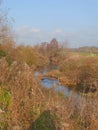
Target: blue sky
(75,21)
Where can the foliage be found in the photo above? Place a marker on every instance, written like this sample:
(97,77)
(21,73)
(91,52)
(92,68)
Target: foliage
(26,103)
(2,53)
(88,76)
(5,99)
(44,122)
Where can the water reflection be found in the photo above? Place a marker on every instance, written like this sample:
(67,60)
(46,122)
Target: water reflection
(49,83)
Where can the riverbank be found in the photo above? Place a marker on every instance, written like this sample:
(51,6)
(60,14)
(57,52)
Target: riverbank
(63,80)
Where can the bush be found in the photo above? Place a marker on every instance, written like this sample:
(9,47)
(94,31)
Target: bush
(2,53)
(5,99)
(88,76)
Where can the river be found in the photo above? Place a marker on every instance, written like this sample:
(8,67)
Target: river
(49,83)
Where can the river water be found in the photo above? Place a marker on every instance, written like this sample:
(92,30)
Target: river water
(54,83)
(49,83)
(76,97)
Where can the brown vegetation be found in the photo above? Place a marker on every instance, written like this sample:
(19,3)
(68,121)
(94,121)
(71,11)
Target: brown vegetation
(26,105)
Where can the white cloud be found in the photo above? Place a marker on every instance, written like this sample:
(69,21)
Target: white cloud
(27,30)
(31,35)
(58,30)
(35,30)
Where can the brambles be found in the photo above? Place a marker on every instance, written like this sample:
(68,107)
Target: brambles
(88,76)
(26,100)
(3,71)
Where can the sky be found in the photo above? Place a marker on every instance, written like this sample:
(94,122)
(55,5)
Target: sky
(71,21)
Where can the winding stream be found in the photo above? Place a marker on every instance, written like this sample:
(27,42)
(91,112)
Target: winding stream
(76,97)
(49,83)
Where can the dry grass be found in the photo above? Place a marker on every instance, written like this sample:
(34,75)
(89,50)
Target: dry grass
(29,100)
